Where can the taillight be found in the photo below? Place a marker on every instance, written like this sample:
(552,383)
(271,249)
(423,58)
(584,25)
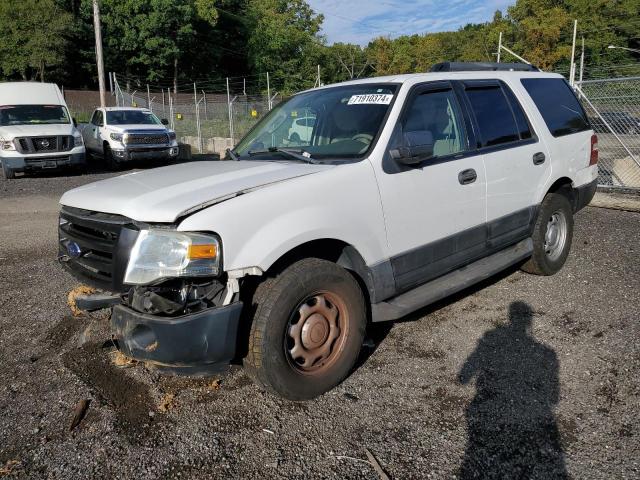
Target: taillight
(594,150)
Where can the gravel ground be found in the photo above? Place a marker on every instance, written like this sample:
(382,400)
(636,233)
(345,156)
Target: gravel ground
(522,377)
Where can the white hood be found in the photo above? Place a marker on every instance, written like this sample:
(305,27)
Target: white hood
(9,132)
(164,194)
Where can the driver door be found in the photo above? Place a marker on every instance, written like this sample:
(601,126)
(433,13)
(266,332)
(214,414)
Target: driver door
(93,140)
(435,211)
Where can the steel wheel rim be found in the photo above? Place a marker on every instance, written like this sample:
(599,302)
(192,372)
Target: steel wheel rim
(316,333)
(555,236)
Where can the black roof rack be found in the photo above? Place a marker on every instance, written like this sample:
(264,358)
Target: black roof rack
(482,66)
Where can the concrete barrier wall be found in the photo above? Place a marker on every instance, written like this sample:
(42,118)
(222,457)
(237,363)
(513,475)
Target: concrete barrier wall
(217,145)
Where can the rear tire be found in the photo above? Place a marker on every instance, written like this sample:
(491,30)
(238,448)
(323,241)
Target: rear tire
(307,329)
(7,172)
(552,236)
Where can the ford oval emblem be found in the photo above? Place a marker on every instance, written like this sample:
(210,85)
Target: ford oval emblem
(73,249)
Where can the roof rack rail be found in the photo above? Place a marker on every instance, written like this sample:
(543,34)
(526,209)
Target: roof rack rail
(482,66)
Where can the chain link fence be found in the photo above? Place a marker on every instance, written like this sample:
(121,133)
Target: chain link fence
(613,106)
(207,122)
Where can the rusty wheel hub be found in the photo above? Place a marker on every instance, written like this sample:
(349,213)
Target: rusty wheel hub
(315,332)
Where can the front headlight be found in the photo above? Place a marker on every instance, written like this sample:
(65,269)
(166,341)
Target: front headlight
(159,254)
(77,140)
(7,145)
(116,136)
(172,136)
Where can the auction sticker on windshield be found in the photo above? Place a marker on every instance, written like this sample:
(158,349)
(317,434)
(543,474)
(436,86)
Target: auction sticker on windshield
(371,99)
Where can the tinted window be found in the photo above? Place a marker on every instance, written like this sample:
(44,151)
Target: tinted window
(493,113)
(521,119)
(131,117)
(97,118)
(437,113)
(557,104)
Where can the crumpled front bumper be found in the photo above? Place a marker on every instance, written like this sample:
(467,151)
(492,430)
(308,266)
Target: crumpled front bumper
(196,343)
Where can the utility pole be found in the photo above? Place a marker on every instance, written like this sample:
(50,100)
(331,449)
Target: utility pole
(499,46)
(572,70)
(229,108)
(148,98)
(582,62)
(99,60)
(319,76)
(268,93)
(244,86)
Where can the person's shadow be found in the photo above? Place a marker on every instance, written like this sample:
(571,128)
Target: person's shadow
(511,424)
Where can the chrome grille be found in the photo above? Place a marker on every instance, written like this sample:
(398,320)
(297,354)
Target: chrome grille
(60,143)
(146,138)
(45,144)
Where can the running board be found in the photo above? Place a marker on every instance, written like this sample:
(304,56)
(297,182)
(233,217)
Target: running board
(404,304)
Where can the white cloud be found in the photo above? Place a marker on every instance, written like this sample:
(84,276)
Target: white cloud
(359,21)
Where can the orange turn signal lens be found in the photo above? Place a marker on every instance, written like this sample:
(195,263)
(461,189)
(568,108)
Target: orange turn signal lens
(202,251)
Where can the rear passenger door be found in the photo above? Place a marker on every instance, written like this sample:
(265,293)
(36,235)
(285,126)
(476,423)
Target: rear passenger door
(435,210)
(516,162)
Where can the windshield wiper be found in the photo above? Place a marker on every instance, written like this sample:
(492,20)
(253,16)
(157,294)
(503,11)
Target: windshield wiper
(232,155)
(301,155)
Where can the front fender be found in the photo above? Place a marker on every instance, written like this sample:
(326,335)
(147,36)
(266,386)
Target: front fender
(259,227)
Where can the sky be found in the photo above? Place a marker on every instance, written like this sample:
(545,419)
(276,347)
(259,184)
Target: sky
(359,21)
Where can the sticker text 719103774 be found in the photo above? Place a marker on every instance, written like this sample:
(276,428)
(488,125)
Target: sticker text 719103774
(371,99)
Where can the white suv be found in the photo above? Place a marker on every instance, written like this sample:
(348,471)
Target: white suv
(410,188)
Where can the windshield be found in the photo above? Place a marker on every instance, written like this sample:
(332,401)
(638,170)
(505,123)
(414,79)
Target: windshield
(33,115)
(337,122)
(131,117)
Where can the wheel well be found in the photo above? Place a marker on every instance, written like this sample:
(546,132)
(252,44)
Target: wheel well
(564,186)
(332,250)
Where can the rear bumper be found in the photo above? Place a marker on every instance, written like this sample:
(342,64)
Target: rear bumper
(23,163)
(584,194)
(191,344)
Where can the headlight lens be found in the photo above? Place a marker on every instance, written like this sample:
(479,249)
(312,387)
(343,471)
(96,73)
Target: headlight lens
(159,254)
(116,136)
(7,145)
(172,136)
(77,141)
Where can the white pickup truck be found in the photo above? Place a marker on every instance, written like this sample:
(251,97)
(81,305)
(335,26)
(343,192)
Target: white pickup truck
(408,189)
(123,134)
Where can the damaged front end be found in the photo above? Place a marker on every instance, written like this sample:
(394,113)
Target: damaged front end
(180,325)
(172,305)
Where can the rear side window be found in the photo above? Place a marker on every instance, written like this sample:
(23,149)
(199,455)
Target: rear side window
(494,116)
(557,104)
(521,119)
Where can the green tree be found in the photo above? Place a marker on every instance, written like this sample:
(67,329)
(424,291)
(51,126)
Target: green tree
(150,39)
(29,43)
(283,40)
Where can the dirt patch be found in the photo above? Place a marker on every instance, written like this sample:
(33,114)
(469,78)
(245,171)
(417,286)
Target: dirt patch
(130,399)
(64,330)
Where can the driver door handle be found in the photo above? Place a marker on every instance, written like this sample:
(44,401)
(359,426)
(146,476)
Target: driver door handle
(465,177)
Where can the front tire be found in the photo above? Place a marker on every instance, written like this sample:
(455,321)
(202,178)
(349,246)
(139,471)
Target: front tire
(552,236)
(109,160)
(7,172)
(307,329)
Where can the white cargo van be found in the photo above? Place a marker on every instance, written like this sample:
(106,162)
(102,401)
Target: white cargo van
(408,189)
(36,130)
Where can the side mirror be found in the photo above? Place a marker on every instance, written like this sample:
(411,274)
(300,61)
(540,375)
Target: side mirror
(164,121)
(75,122)
(418,147)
